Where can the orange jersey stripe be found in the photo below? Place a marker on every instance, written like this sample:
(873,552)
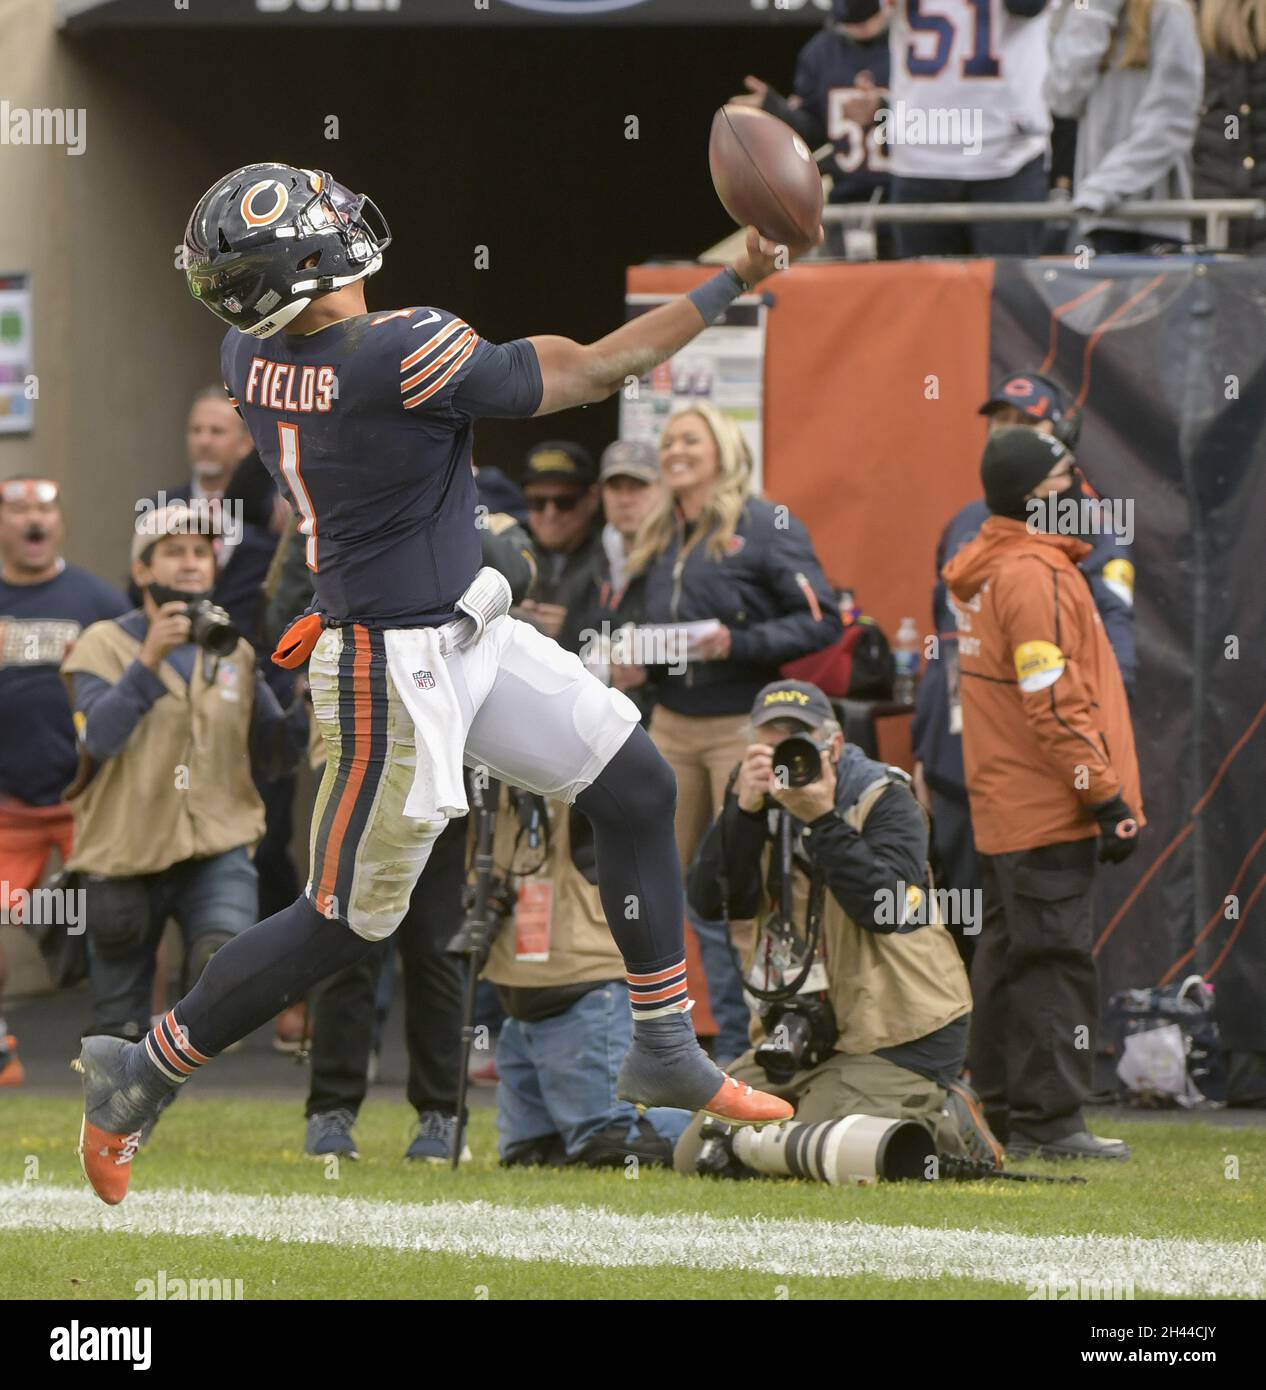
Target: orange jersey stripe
(179,1032)
(641,996)
(166,1049)
(440,384)
(658,975)
(432,367)
(356,775)
(457,326)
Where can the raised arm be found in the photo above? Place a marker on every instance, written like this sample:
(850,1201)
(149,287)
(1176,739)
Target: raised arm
(582,374)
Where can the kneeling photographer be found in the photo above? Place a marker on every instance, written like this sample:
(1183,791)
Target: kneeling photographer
(172,719)
(861,1005)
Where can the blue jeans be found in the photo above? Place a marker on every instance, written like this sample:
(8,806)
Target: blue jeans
(212,899)
(558,1076)
(725,987)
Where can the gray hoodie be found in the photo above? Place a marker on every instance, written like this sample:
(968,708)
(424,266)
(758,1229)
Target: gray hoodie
(1136,126)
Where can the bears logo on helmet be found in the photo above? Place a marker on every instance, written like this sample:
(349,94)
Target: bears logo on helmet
(250,243)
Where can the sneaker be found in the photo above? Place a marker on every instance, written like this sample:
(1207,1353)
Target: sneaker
(331,1133)
(433,1143)
(1083,1144)
(106,1147)
(292,1028)
(963,1107)
(12,1072)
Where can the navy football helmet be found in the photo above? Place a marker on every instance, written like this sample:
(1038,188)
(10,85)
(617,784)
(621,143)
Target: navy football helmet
(252,231)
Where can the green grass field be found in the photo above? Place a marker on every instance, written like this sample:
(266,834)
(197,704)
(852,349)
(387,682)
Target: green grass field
(224,1193)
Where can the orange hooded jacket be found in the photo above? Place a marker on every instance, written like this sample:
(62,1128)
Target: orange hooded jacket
(1046,726)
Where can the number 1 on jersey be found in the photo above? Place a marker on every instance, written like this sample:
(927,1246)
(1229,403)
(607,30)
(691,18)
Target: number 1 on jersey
(288,438)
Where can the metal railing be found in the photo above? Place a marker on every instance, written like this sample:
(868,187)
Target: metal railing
(1217,213)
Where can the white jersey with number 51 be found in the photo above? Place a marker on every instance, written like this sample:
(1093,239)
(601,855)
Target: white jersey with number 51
(965,89)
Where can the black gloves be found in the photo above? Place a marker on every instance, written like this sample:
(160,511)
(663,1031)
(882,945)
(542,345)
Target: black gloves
(1118,830)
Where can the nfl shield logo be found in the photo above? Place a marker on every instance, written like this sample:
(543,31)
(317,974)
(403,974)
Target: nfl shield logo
(424,680)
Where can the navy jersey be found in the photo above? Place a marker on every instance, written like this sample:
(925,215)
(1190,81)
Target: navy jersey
(366,426)
(826,76)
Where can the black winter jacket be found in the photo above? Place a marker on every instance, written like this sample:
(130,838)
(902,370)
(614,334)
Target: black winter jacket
(759,591)
(1230,155)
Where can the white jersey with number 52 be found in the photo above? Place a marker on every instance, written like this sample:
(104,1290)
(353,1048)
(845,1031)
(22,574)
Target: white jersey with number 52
(965,89)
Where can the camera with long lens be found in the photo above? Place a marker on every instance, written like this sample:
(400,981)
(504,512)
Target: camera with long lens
(798,1035)
(210,628)
(797,761)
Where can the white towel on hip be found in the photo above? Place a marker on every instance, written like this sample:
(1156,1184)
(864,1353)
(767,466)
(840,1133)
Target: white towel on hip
(419,672)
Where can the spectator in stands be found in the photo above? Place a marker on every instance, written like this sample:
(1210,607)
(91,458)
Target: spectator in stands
(1230,151)
(629,481)
(840,83)
(713,550)
(1131,73)
(45,604)
(879,1025)
(565,519)
(966,121)
(1051,768)
(166,812)
(1039,403)
(218,445)
(562,986)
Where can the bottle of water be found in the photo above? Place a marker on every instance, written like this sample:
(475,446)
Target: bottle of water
(905,651)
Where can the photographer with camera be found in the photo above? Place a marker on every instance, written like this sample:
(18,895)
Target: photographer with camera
(818,861)
(560,980)
(172,722)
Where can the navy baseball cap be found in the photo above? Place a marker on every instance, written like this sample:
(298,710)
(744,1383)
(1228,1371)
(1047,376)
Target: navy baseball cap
(1030,392)
(791,700)
(560,461)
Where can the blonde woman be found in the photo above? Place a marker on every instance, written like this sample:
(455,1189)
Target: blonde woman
(713,549)
(1231,139)
(1130,72)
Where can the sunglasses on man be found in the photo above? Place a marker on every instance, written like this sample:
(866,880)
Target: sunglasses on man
(568,502)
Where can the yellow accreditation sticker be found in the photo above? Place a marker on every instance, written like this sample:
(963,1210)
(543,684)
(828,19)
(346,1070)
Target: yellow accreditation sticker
(81,720)
(1037,665)
(1118,575)
(914,903)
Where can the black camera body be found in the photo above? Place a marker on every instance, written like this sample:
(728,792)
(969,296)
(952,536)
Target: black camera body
(797,761)
(798,1035)
(210,628)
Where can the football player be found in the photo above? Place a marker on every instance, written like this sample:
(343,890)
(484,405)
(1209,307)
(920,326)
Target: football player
(366,420)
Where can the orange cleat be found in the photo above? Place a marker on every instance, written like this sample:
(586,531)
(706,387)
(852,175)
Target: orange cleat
(12,1072)
(738,1104)
(107,1160)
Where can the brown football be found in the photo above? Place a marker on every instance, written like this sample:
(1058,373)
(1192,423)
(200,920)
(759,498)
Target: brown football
(765,176)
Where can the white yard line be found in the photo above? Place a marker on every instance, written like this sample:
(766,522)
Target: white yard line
(595,1236)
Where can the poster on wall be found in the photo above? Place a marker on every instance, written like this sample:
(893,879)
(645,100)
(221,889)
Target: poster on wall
(724,366)
(17,410)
